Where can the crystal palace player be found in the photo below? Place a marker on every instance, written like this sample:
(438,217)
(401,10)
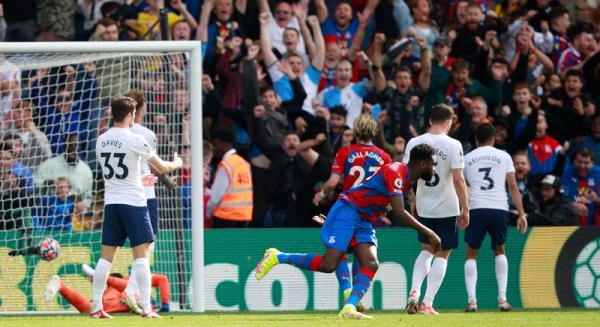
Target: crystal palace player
(487,171)
(353,165)
(125,212)
(353,216)
(438,207)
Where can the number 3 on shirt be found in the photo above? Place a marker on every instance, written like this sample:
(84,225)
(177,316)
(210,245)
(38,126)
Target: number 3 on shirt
(361,174)
(111,170)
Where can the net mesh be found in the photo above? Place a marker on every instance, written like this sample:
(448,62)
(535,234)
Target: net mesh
(52,109)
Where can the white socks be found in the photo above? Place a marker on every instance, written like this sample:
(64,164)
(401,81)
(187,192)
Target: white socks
(99,283)
(501,276)
(420,270)
(471,279)
(434,279)
(141,269)
(132,286)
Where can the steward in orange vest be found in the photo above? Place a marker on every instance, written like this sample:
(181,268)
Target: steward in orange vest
(231,201)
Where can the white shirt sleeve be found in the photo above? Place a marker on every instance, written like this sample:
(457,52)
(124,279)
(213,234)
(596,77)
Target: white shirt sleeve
(458,157)
(510,166)
(407,149)
(217,190)
(141,147)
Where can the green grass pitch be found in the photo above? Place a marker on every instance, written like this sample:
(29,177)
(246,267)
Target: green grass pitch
(451,318)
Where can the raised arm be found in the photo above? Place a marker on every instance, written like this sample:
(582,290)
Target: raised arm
(318,60)
(265,39)
(241,5)
(363,20)
(322,11)
(182,9)
(300,14)
(378,75)
(263,6)
(202,31)
(425,74)
(328,187)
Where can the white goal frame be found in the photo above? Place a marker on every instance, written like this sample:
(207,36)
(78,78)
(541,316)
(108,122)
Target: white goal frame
(195,87)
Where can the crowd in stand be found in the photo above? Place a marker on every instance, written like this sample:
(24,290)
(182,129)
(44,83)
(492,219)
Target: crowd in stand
(284,82)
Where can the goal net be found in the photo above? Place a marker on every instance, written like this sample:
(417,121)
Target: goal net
(53,106)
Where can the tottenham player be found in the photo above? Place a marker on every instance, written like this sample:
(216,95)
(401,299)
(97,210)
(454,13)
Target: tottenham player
(487,171)
(351,166)
(438,207)
(125,210)
(353,216)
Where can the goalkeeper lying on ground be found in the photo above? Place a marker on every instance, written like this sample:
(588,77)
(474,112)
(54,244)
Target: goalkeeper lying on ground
(114,299)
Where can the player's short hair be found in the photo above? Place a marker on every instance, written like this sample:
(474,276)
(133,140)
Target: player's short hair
(339,110)
(121,106)
(365,128)
(485,132)
(224,135)
(138,96)
(422,152)
(440,113)
(583,152)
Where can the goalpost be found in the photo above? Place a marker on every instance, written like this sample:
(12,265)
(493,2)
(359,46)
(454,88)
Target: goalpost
(125,65)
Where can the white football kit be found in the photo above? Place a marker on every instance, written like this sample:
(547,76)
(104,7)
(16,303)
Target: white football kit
(150,138)
(485,171)
(119,151)
(437,198)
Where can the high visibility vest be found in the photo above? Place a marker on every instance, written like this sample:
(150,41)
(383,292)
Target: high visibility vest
(236,203)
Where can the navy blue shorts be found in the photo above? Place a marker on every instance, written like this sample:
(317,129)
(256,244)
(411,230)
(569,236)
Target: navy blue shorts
(153,211)
(492,221)
(344,228)
(445,228)
(122,221)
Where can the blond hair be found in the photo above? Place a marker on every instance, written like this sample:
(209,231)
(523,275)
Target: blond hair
(365,128)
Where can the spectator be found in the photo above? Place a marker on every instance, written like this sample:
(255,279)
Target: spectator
(14,204)
(284,18)
(106,30)
(58,207)
(90,11)
(582,186)
(466,35)
(582,46)
(559,25)
(522,119)
(569,107)
(225,24)
(10,80)
(61,120)
(545,152)
(591,141)
(296,174)
(282,72)
(17,168)
(147,27)
(337,127)
(67,165)
(424,27)
(181,30)
(230,203)
(526,183)
(555,210)
(34,144)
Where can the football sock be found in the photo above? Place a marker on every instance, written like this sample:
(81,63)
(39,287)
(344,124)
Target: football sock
(162,282)
(363,281)
(501,276)
(434,279)
(132,288)
(343,274)
(471,279)
(305,261)
(421,269)
(75,298)
(117,283)
(142,274)
(99,283)
(355,268)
